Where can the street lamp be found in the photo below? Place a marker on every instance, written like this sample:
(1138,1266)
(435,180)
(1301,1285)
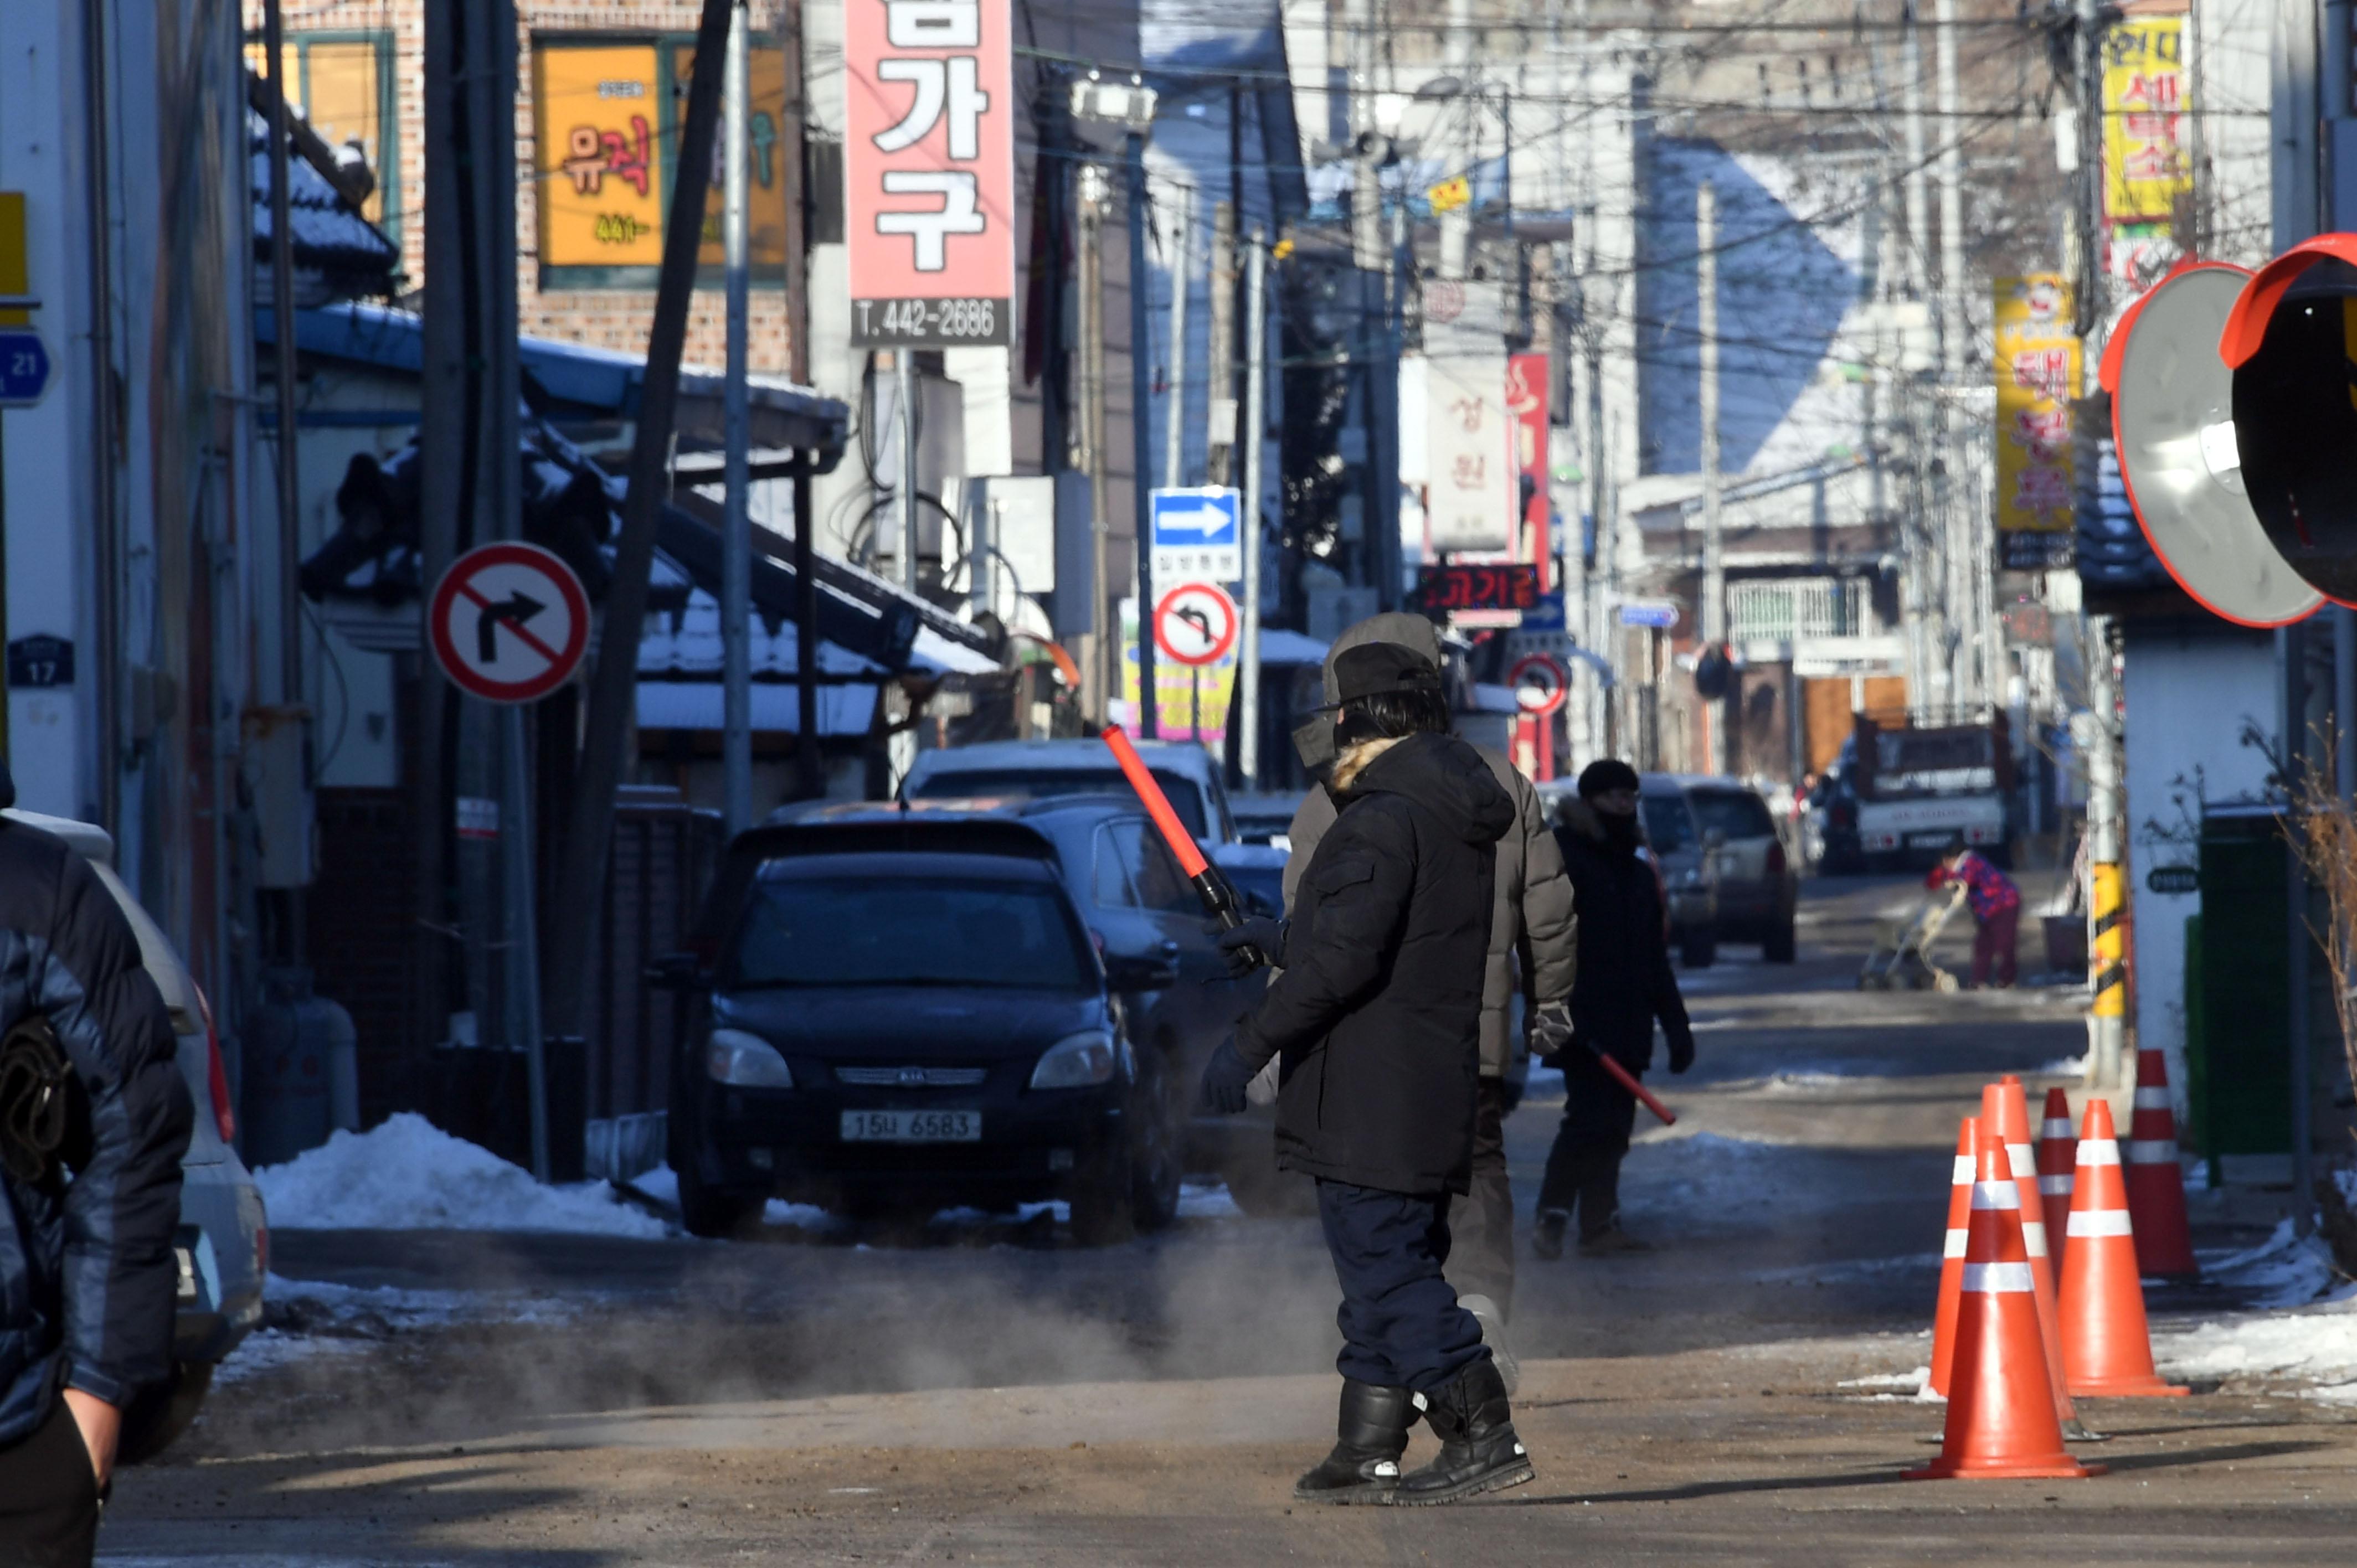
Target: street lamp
(1129,107)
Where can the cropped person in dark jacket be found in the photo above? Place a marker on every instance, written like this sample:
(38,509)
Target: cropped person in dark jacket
(1532,949)
(86,1267)
(1376,1020)
(1625,984)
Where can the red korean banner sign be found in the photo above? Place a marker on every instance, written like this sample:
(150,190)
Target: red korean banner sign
(929,172)
(1526,409)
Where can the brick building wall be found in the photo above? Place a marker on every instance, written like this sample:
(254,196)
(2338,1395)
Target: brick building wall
(619,319)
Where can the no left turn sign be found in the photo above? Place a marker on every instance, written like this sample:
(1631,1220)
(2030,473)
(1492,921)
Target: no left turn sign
(509,622)
(1195,624)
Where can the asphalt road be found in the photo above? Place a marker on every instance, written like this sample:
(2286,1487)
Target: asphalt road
(987,1391)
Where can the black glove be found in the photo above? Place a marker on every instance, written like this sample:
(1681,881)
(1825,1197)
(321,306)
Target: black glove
(1224,1078)
(1551,1031)
(1681,1048)
(1259,940)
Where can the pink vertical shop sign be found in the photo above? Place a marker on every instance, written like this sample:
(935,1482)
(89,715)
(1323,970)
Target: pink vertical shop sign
(929,172)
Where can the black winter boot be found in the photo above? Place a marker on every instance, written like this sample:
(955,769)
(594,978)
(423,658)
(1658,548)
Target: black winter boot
(1371,1434)
(1479,1450)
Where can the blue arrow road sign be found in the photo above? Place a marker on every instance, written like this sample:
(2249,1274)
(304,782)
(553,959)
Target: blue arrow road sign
(1196,519)
(24,368)
(1197,536)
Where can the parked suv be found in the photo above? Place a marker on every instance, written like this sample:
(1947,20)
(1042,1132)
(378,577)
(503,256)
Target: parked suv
(1723,864)
(941,956)
(222,1243)
(1037,769)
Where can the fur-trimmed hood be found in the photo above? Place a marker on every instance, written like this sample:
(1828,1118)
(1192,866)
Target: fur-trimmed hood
(1439,773)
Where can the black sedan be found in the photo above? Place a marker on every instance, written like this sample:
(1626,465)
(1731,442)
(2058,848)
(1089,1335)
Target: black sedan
(906,1011)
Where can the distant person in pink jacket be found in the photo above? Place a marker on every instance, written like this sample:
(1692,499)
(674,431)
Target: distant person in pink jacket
(1997,908)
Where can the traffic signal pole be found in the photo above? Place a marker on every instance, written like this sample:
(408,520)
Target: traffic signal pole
(1141,445)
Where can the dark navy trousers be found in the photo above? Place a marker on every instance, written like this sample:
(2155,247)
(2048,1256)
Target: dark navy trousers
(1401,1324)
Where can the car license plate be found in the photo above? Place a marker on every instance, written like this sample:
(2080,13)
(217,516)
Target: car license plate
(1929,841)
(912,1126)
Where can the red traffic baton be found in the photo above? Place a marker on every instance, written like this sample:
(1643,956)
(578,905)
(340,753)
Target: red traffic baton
(1219,899)
(1628,1080)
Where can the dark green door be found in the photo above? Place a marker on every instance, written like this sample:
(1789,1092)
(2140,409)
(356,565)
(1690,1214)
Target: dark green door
(2241,1070)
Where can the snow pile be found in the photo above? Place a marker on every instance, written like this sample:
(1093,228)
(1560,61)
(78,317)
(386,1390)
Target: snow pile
(2320,1345)
(405,1174)
(1705,1177)
(306,1318)
(1207,1201)
(662,1185)
(2284,1271)
(1914,1385)
(1851,1271)
(2317,1345)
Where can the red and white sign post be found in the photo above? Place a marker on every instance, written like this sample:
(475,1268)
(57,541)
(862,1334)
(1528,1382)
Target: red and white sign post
(1539,685)
(1195,628)
(929,172)
(1526,412)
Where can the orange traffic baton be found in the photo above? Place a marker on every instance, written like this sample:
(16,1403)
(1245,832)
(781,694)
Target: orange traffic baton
(2106,1343)
(1219,899)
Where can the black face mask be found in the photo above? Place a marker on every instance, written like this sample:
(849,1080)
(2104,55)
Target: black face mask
(1620,831)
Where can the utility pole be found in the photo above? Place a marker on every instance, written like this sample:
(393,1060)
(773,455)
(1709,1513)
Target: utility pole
(1220,412)
(1720,748)
(1104,667)
(1182,248)
(1256,425)
(1971,573)
(810,764)
(1929,642)
(737,543)
(904,376)
(282,313)
(1141,436)
(470,492)
(2107,1014)
(2090,62)
(441,441)
(613,683)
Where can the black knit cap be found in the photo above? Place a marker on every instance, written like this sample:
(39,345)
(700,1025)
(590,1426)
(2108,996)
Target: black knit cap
(1373,668)
(1606,773)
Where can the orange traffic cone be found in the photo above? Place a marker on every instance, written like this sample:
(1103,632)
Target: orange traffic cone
(2058,1156)
(2001,1422)
(2106,1347)
(2164,1243)
(1951,1258)
(2004,1108)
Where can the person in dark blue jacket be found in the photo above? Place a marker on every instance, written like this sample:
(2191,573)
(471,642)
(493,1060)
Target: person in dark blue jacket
(93,1121)
(1625,985)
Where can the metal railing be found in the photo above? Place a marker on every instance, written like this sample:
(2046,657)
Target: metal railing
(1786,609)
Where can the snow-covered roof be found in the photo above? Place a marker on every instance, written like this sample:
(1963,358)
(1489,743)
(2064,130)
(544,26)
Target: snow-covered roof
(1279,646)
(777,707)
(337,252)
(582,379)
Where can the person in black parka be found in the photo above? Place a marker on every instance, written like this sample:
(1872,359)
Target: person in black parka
(1376,1021)
(93,1121)
(1624,986)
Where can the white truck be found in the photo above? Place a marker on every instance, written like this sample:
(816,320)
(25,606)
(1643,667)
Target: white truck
(1904,793)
